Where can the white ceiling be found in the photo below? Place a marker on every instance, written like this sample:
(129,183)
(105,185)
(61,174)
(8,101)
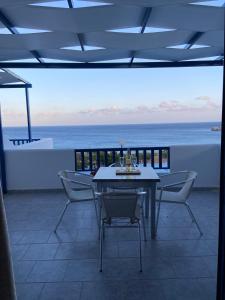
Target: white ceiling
(92,27)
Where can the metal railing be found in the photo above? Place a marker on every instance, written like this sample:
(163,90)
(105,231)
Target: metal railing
(17,142)
(92,159)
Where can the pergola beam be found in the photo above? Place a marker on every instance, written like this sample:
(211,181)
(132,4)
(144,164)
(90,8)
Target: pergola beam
(16,76)
(79,35)
(9,25)
(15,86)
(144,24)
(194,39)
(123,65)
(70,3)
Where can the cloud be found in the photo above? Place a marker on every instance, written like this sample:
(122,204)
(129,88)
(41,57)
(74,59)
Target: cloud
(106,110)
(164,106)
(204,98)
(209,103)
(199,108)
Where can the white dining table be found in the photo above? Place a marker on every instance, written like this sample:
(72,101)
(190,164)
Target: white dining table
(147,179)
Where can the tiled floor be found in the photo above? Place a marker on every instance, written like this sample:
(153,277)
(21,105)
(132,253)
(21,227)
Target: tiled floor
(177,265)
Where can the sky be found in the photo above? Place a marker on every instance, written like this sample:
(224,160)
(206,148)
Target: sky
(75,97)
(122,96)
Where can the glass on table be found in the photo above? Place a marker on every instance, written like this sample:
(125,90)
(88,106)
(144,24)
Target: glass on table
(122,161)
(134,161)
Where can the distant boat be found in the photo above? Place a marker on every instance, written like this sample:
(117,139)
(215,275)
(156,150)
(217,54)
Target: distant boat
(216,128)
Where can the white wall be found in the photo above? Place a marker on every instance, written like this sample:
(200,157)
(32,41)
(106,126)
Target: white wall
(204,159)
(37,169)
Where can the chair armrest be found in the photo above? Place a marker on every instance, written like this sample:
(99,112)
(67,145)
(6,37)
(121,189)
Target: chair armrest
(141,193)
(83,174)
(88,186)
(79,173)
(172,173)
(174,184)
(98,194)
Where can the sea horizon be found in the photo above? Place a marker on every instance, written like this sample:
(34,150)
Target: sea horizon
(132,135)
(117,124)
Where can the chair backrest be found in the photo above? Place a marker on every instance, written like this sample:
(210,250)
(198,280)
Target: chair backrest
(187,187)
(63,175)
(69,186)
(119,205)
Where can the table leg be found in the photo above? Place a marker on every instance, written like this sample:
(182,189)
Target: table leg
(153,192)
(99,187)
(147,199)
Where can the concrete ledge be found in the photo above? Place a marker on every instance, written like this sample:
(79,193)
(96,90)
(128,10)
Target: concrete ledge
(37,169)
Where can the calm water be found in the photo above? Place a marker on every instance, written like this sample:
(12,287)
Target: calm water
(133,135)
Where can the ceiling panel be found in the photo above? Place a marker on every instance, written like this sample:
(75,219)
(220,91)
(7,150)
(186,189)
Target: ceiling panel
(179,54)
(84,56)
(135,41)
(77,19)
(34,41)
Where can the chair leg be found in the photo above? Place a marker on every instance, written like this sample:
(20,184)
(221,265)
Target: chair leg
(96,212)
(99,221)
(157,217)
(143,225)
(140,252)
(62,214)
(193,218)
(101,244)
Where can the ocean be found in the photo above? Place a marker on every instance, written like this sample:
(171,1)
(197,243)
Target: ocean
(102,136)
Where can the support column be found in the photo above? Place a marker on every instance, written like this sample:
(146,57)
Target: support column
(7,286)
(221,248)
(2,158)
(28,115)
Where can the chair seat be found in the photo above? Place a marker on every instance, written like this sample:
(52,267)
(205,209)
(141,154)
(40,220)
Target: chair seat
(169,196)
(81,195)
(137,212)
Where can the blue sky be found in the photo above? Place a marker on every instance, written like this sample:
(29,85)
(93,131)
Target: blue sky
(67,97)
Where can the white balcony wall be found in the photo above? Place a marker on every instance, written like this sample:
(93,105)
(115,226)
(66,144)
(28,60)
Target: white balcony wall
(204,159)
(37,169)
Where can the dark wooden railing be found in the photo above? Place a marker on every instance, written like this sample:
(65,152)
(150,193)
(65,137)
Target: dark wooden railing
(92,159)
(17,142)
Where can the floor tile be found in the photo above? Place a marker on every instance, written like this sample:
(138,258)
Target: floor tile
(29,291)
(178,289)
(48,271)
(22,269)
(18,251)
(144,290)
(35,236)
(190,267)
(208,288)
(106,290)
(179,264)
(61,291)
(41,251)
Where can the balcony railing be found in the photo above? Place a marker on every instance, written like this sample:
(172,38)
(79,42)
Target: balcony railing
(17,142)
(92,159)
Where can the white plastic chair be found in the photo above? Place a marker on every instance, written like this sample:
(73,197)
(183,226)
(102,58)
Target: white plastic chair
(78,188)
(185,183)
(121,207)
(117,164)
